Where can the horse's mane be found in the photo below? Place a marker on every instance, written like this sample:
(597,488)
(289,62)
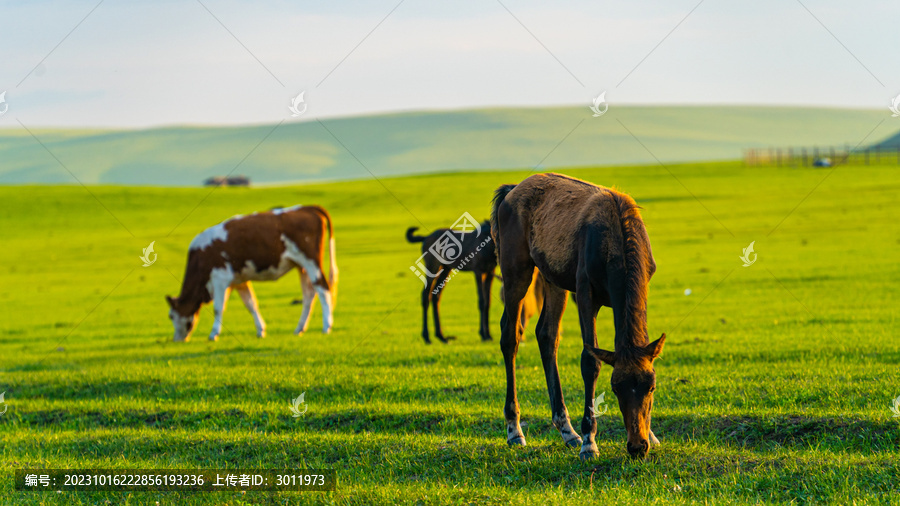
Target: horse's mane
(638,262)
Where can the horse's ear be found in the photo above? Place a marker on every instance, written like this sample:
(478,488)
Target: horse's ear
(171,301)
(602,355)
(655,348)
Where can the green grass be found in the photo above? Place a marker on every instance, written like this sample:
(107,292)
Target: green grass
(774,385)
(414,142)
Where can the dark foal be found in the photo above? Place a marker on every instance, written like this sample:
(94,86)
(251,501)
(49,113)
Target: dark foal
(592,241)
(481,260)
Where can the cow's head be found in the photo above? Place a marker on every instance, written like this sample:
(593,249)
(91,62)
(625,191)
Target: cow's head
(183,319)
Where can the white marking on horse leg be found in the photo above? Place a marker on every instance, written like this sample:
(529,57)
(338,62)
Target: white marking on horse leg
(653,440)
(219,285)
(252,305)
(589,449)
(564,426)
(309,301)
(514,434)
(327,318)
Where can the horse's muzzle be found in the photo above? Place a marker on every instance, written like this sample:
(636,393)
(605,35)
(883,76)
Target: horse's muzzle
(639,450)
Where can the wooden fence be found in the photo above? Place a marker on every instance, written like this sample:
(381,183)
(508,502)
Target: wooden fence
(821,156)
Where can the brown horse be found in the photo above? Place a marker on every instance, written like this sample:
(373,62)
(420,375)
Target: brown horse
(589,240)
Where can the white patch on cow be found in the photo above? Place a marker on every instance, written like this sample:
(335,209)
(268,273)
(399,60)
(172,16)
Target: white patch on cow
(247,272)
(209,236)
(281,210)
(293,253)
(250,272)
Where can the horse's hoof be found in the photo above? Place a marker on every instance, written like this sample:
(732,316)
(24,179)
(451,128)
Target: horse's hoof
(589,451)
(653,440)
(574,443)
(487,339)
(517,441)
(214,337)
(261,334)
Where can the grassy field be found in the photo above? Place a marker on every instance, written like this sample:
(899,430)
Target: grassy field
(774,386)
(412,142)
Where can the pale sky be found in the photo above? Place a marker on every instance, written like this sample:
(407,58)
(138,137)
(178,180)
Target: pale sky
(138,63)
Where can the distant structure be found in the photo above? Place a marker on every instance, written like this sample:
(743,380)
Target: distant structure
(227,181)
(824,156)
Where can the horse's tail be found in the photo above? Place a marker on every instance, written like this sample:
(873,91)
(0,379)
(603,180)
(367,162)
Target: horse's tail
(411,237)
(499,195)
(638,261)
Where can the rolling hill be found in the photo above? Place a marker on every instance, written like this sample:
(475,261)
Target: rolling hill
(420,142)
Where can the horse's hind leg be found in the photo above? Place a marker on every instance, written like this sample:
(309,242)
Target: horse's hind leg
(436,292)
(548,341)
(483,284)
(426,300)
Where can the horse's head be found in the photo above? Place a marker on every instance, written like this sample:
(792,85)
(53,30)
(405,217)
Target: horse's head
(183,319)
(633,381)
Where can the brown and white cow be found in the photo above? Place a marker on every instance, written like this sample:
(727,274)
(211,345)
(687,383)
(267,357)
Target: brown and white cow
(257,247)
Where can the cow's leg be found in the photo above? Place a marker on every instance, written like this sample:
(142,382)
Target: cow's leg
(436,292)
(590,367)
(324,293)
(220,299)
(309,300)
(249,298)
(548,342)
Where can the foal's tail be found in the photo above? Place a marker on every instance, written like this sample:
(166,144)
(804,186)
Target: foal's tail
(499,195)
(411,237)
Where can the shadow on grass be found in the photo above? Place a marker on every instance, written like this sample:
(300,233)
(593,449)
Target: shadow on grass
(410,461)
(749,431)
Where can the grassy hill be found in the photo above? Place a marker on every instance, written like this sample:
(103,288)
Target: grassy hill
(422,142)
(774,386)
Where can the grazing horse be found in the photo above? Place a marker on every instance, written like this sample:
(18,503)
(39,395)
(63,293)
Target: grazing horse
(258,247)
(589,240)
(483,262)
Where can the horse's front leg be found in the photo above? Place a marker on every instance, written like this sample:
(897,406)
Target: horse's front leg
(590,368)
(511,330)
